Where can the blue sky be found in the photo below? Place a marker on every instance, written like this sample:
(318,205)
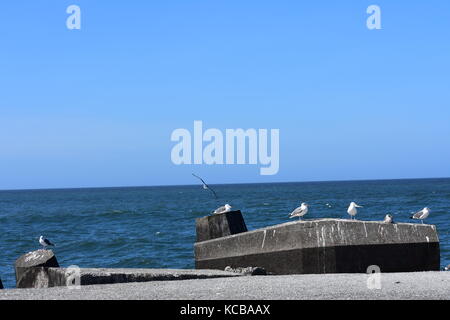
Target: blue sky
(97,106)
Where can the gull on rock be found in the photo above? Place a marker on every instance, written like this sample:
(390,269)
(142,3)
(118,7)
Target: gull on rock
(45,242)
(352,209)
(300,211)
(388,219)
(422,214)
(226,208)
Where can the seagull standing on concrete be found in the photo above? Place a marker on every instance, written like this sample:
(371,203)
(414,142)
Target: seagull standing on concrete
(226,208)
(205,186)
(422,214)
(45,242)
(388,219)
(352,211)
(300,211)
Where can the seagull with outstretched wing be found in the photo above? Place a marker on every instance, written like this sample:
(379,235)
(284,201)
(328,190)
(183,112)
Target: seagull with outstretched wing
(205,186)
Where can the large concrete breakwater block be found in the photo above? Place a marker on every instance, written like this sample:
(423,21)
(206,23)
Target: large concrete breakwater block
(326,246)
(32,269)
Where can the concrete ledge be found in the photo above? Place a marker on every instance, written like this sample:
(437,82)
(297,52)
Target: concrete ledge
(59,277)
(326,246)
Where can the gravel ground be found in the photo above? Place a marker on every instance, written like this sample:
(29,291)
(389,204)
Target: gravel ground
(410,286)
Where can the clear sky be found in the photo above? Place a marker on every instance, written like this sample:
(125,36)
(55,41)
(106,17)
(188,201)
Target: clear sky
(97,106)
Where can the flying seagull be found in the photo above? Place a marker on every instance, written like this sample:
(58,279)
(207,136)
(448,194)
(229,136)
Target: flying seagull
(45,242)
(226,208)
(352,211)
(389,219)
(300,211)
(205,186)
(422,214)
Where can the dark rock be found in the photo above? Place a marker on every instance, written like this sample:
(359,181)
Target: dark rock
(220,225)
(32,269)
(1,284)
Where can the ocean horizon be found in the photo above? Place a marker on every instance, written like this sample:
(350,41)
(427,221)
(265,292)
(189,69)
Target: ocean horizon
(222,184)
(154,226)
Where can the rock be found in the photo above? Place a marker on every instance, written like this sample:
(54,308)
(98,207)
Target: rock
(32,269)
(1,284)
(249,271)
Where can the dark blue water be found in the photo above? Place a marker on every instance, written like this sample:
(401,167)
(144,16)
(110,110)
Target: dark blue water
(154,227)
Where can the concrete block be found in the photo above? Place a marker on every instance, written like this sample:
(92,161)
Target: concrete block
(31,269)
(326,246)
(220,225)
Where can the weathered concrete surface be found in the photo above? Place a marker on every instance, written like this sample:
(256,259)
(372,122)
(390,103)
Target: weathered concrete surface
(394,286)
(56,277)
(220,225)
(326,246)
(31,269)
(91,276)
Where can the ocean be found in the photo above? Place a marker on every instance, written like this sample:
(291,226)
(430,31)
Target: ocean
(154,227)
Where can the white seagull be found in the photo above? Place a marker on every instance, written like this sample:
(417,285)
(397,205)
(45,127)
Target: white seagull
(352,211)
(300,211)
(422,214)
(389,219)
(226,208)
(45,242)
(205,186)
